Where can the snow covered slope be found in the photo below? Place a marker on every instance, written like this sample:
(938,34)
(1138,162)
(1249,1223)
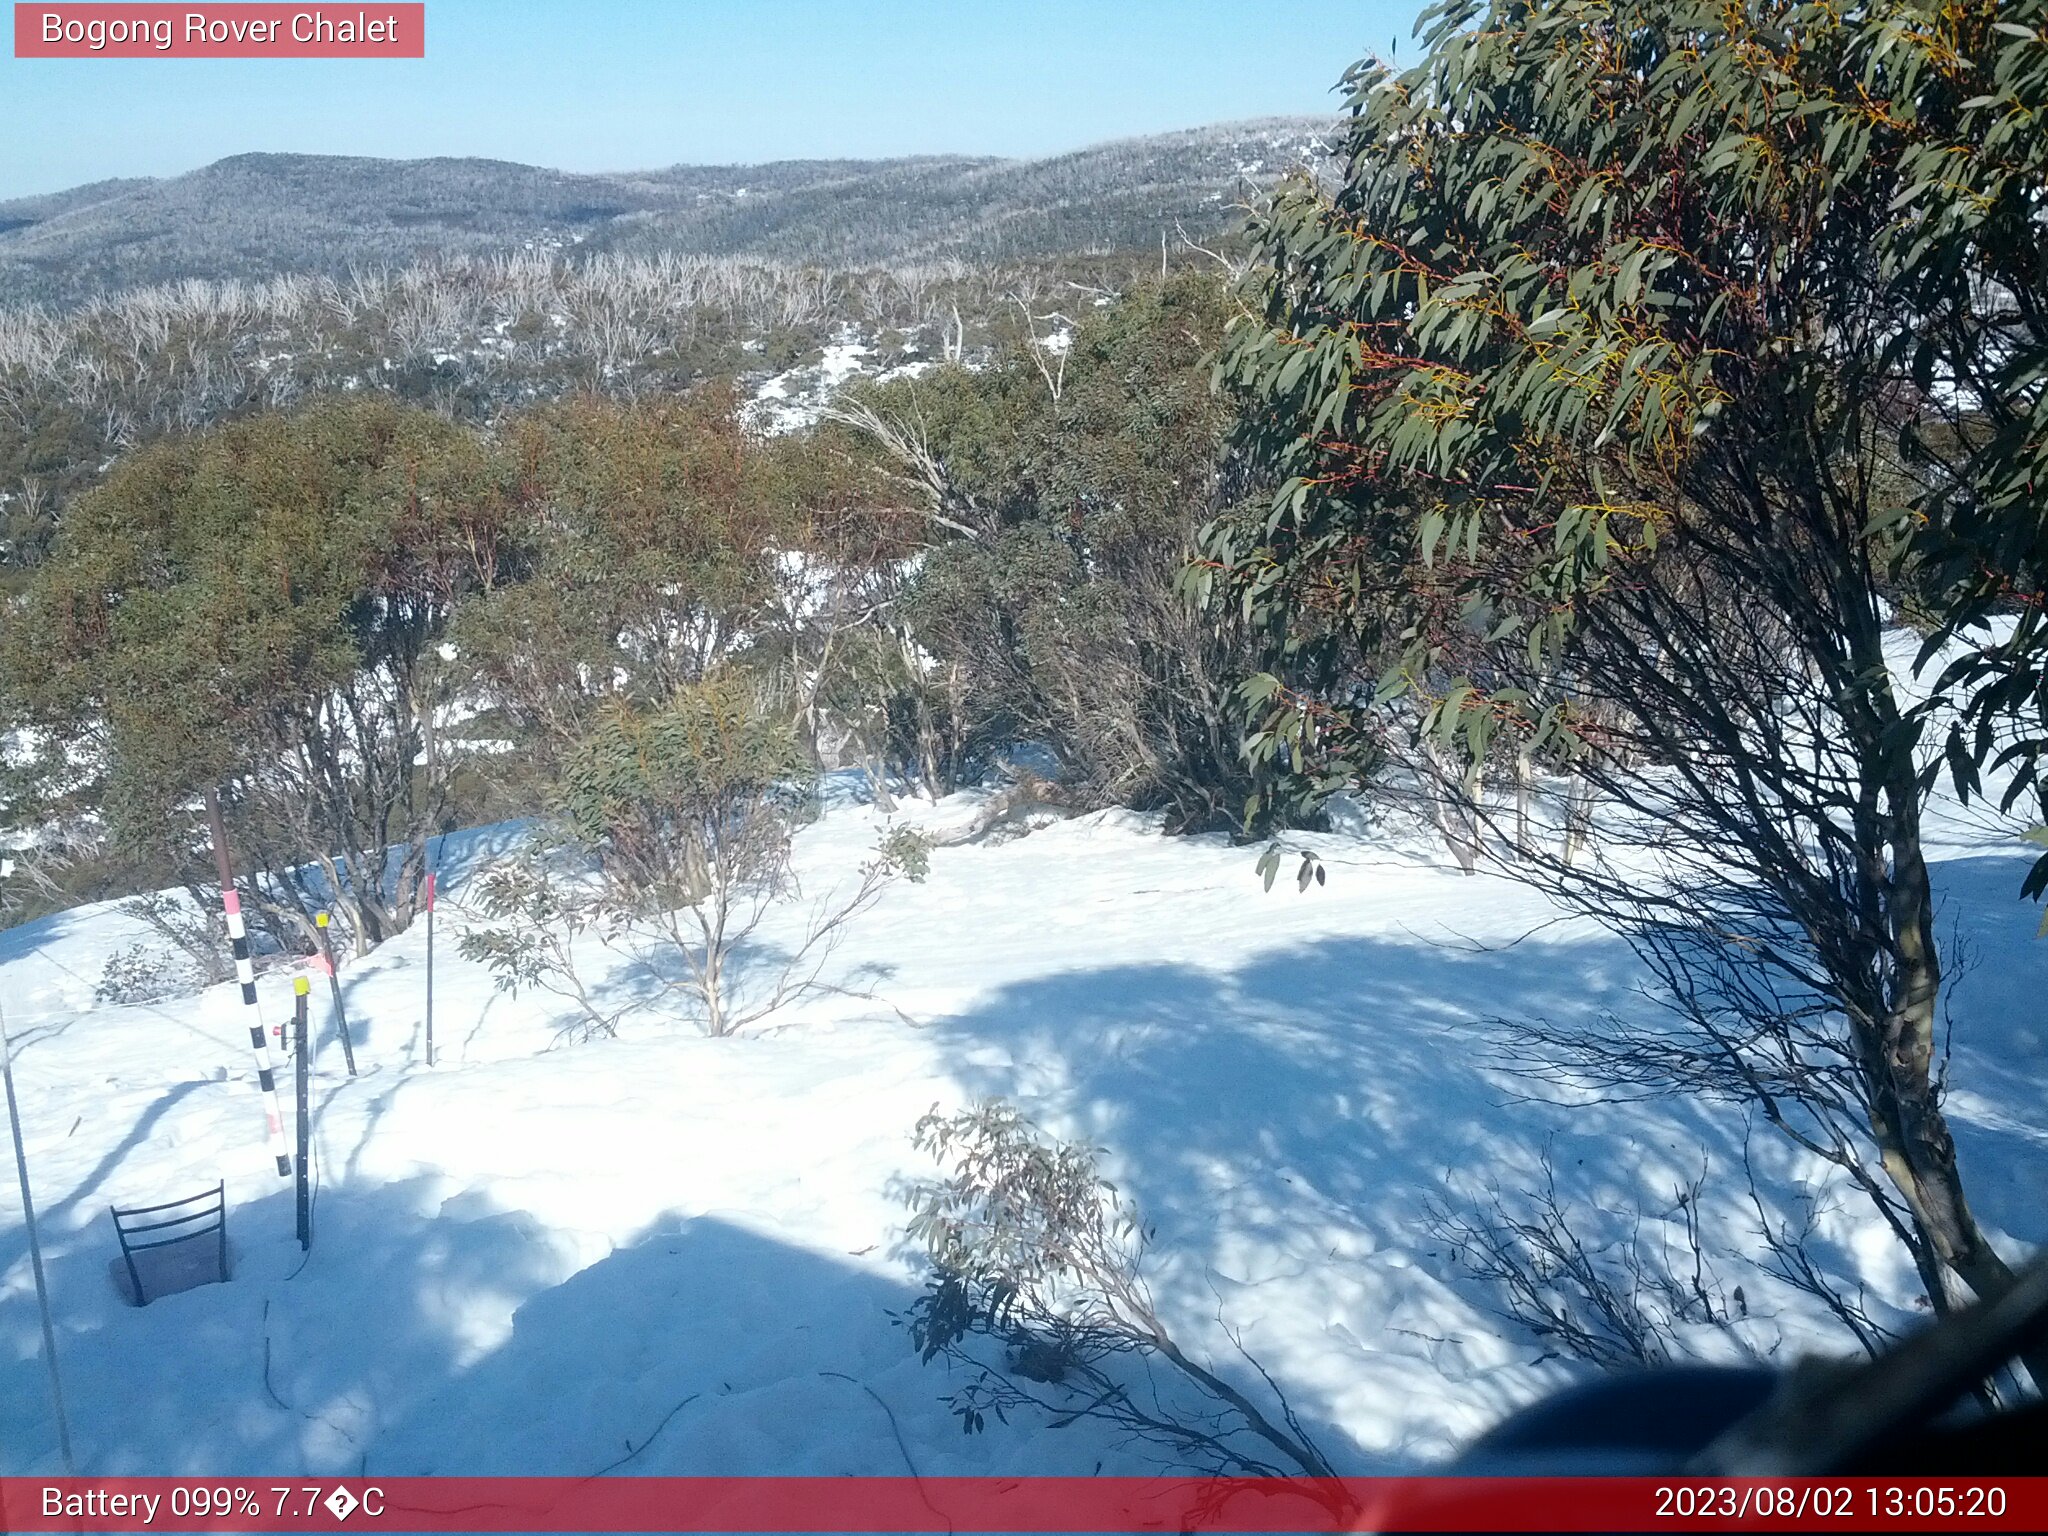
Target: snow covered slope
(531,1259)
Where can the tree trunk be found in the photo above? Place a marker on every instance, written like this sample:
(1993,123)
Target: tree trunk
(1578,817)
(1917,1151)
(712,972)
(1458,829)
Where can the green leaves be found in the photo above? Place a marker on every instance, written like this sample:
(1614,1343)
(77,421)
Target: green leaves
(1568,242)
(217,603)
(706,757)
(1309,872)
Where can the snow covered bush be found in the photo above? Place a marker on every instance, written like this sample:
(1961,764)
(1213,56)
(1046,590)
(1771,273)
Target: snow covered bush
(1032,1248)
(198,934)
(145,973)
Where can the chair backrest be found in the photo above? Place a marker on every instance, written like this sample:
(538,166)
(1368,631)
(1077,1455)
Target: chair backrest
(182,1239)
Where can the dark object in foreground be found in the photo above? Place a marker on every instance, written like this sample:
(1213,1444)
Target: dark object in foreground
(173,1246)
(1908,1412)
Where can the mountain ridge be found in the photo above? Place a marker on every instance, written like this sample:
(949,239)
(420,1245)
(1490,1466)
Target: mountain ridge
(261,213)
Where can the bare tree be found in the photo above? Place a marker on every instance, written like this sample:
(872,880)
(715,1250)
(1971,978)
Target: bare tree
(906,439)
(1622,1298)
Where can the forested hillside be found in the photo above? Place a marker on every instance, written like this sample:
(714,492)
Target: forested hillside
(261,215)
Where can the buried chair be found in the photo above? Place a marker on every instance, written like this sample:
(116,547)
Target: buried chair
(173,1246)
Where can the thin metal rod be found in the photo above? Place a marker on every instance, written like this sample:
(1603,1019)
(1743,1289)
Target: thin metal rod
(348,1047)
(431,881)
(35,1251)
(303,1073)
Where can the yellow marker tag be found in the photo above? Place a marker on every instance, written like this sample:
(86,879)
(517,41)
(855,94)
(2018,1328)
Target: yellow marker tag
(301,986)
(320,919)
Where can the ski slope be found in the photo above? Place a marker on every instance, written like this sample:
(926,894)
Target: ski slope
(671,1254)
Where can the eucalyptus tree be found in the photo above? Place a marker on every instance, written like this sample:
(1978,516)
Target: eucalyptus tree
(1585,379)
(259,611)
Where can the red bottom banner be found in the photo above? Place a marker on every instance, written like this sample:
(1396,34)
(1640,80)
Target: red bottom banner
(1048,1504)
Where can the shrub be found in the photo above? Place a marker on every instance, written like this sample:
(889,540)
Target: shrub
(145,973)
(670,844)
(1032,1247)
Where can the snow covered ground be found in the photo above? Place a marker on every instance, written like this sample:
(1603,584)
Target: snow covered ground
(796,398)
(528,1257)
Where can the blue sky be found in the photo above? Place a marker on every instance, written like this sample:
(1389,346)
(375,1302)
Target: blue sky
(623,84)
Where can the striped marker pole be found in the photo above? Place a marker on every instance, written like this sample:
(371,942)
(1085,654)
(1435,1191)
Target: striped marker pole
(245,973)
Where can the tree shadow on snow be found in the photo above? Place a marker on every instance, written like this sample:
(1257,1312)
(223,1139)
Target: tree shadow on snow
(1288,1125)
(271,1370)
(1997,969)
(444,1335)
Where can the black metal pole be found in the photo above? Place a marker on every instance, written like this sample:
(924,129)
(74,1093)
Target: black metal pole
(348,1048)
(304,1062)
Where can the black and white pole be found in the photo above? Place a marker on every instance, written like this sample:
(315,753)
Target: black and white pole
(348,1049)
(303,1075)
(35,1252)
(245,973)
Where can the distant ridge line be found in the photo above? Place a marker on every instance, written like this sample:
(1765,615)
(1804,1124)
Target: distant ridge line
(262,213)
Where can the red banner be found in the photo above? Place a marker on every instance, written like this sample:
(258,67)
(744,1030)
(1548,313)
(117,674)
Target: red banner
(121,31)
(1051,1504)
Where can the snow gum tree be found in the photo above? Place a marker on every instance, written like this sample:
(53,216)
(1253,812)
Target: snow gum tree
(258,610)
(1061,489)
(1585,381)
(644,537)
(688,807)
